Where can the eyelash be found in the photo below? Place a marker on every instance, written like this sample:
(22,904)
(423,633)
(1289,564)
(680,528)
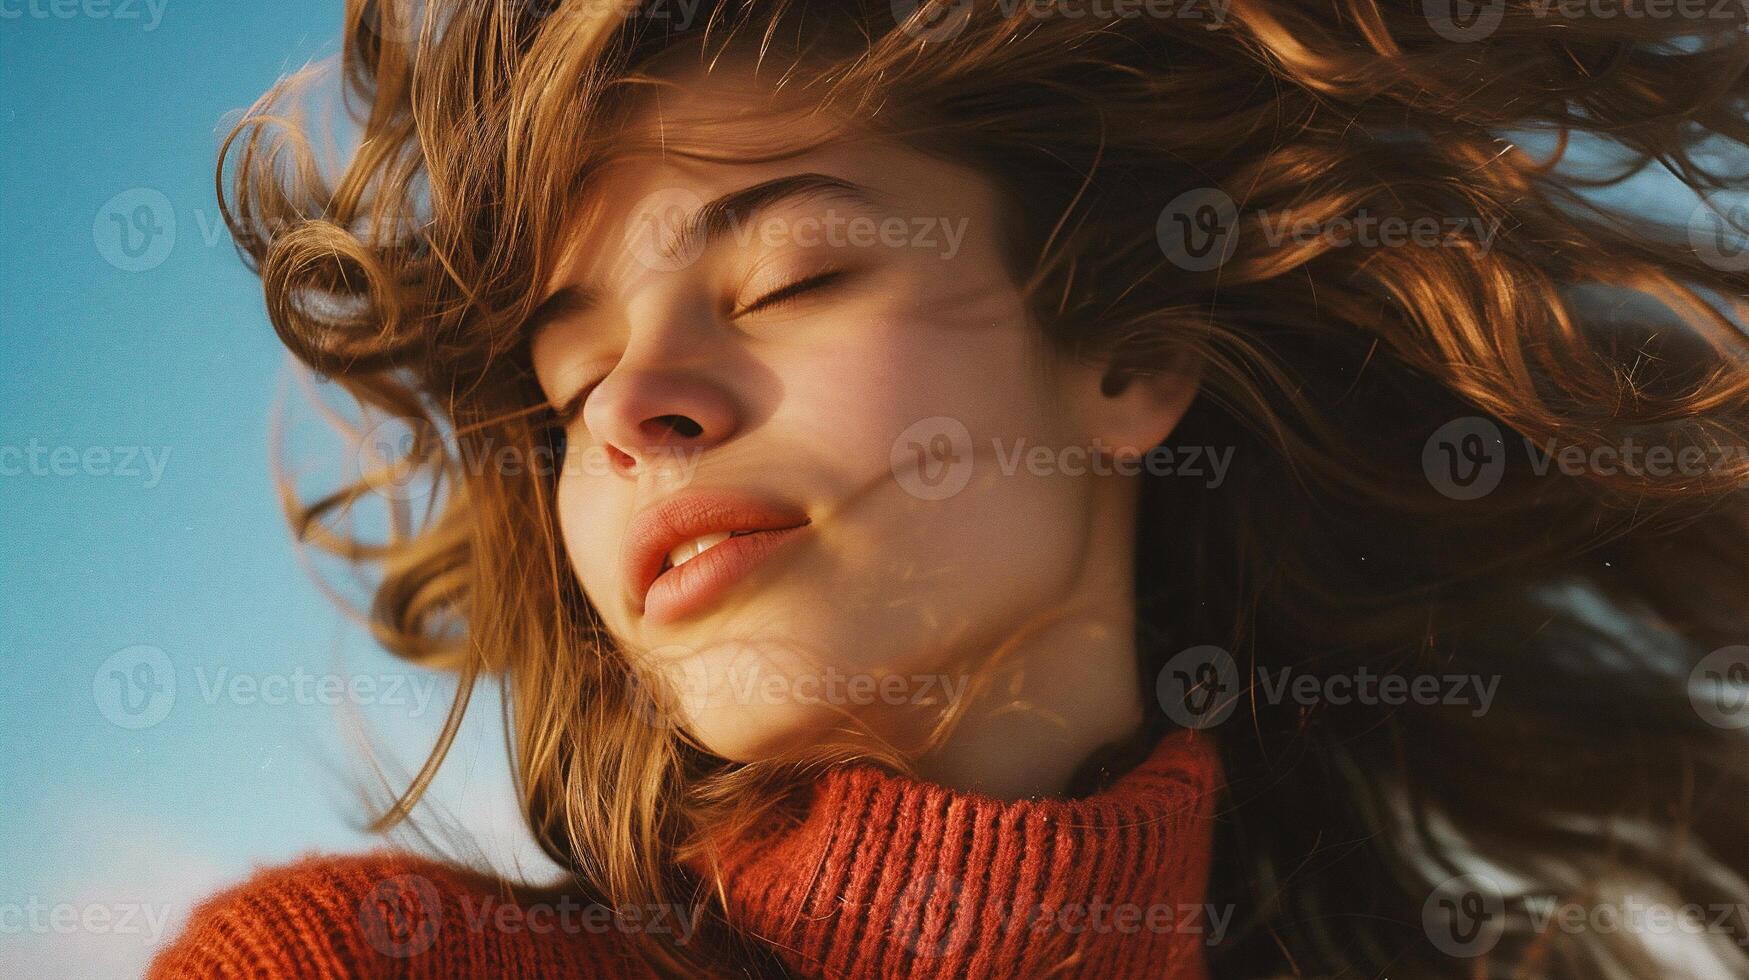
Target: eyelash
(790,291)
(563,415)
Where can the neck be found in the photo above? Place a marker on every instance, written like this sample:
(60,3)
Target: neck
(1058,690)
(1072,694)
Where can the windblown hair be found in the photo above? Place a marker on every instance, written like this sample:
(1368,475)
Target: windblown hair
(406,274)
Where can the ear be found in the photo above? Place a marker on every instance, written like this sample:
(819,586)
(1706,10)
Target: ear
(1128,412)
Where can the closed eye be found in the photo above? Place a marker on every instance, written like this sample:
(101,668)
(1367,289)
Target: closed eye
(566,412)
(785,293)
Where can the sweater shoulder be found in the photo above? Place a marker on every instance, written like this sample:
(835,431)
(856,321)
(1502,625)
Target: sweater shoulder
(389,914)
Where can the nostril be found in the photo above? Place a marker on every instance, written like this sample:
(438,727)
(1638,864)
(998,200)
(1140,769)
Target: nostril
(680,425)
(621,460)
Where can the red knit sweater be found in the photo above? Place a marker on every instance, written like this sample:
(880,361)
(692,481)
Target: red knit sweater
(884,876)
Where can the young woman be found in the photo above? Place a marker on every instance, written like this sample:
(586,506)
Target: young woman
(1015,490)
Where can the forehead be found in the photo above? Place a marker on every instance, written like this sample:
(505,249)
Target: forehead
(695,138)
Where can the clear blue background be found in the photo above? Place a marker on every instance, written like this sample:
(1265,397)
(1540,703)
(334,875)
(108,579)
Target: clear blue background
(178,358)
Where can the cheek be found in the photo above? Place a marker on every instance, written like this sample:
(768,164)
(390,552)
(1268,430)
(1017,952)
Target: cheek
(586,509)
(863,393)
(927,547)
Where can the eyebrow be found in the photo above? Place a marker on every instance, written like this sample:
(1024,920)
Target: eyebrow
(709,224)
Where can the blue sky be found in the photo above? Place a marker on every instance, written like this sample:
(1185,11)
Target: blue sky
(141,529)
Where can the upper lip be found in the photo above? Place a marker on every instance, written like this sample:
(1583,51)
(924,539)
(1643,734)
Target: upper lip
(661,527)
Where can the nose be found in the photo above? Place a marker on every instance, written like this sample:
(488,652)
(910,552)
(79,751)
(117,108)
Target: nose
(653,407)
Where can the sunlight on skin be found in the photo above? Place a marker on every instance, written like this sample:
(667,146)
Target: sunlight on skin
(801,402)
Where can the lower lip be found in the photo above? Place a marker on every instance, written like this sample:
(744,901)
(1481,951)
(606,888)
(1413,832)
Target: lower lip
(681,591)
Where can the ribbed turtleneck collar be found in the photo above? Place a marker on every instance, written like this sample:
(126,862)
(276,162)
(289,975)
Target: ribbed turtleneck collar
(888,876)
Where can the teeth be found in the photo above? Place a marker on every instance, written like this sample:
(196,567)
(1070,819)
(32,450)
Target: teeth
(697,546)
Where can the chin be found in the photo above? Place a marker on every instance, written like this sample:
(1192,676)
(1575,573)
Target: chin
(763,733)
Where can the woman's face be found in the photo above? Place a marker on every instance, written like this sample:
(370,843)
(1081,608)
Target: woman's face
(834,366)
